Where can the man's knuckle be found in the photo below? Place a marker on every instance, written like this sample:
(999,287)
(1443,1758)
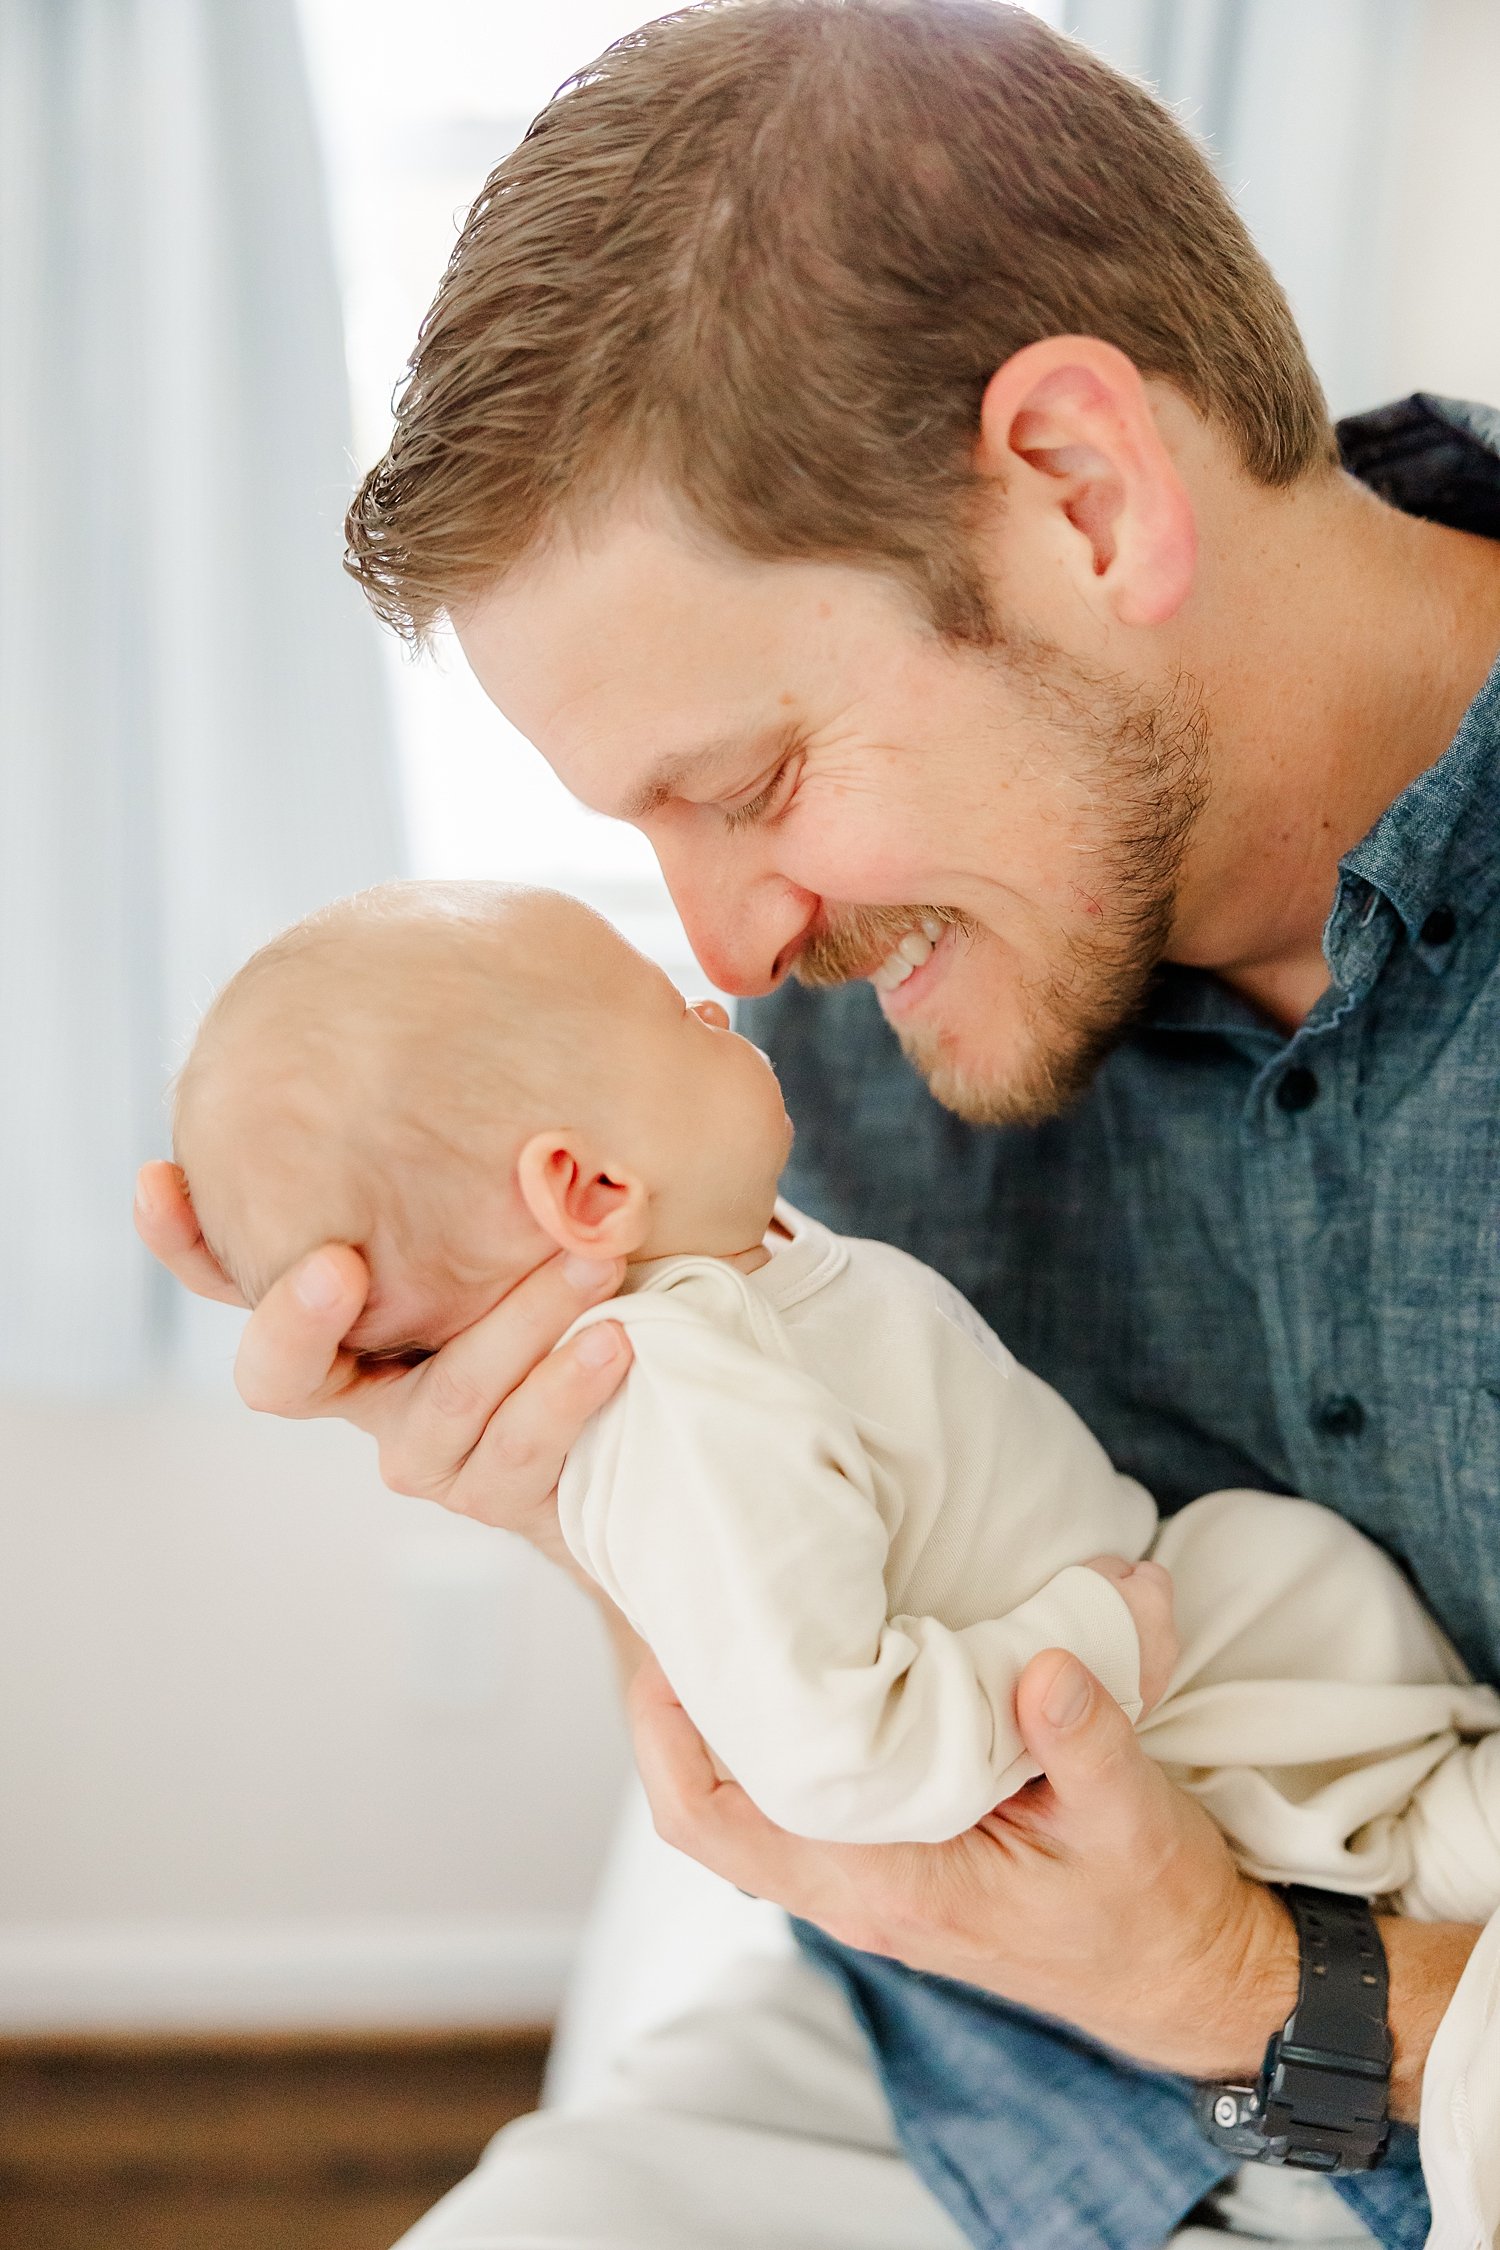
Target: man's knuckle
(513,1453)
(668,1820)
(257,1392)
(452,1396)
(401,1472)
(1117,1769)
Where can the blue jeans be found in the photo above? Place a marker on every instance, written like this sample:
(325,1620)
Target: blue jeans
(1033,2138)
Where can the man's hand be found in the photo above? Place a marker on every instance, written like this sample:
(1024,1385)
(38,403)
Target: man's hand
(1101,1894)
(1146,1590)
(482,1427)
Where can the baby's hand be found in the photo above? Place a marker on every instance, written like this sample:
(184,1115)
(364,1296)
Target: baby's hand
(1146,1589)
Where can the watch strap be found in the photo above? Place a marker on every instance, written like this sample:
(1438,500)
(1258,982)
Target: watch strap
(1328,2080)
(1321,2101)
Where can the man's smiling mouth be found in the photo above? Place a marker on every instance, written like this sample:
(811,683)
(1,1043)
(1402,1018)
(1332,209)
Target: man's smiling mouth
(882,945)
(908,955)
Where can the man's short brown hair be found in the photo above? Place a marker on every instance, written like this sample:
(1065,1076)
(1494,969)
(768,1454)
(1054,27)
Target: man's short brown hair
(767,253)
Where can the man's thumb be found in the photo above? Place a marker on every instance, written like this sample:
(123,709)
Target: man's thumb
(1077,1734)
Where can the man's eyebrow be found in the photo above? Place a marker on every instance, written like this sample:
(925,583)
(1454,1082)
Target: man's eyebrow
(693,765)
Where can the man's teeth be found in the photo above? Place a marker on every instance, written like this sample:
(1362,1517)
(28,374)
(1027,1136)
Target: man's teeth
(916,947)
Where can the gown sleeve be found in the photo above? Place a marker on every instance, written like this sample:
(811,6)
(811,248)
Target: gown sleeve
(724,1501)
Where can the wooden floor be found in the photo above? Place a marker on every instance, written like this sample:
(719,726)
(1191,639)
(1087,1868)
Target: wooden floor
(246,2144)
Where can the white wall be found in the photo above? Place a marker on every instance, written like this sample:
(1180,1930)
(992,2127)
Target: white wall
(274,1741)
(1444,330)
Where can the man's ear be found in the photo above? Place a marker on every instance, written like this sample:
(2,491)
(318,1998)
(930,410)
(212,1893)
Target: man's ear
(597,1211)
(1067,430)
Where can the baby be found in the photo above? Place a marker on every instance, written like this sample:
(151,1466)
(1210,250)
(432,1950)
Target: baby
(826,1496)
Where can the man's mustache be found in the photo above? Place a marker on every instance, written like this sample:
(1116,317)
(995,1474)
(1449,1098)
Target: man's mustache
(861,938)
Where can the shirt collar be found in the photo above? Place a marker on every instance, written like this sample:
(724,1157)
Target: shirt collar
(1431,864)
(1434,854)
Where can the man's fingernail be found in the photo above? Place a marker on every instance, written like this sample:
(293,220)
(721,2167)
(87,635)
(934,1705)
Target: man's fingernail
(318,1287)
(1068,1697)
(598,1345)
(589,1275)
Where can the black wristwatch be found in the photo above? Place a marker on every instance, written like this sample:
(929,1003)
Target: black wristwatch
(1320,2102)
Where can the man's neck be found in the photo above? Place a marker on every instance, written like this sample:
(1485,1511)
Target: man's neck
(1339,644)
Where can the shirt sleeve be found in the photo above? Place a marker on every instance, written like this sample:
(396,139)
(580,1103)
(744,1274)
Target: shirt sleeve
(724,1501)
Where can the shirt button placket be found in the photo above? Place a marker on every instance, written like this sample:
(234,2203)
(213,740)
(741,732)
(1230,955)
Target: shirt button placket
(1337,1416)
(1296,1089)
(1302,1205)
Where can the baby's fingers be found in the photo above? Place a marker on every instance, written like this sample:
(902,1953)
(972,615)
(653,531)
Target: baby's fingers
(289,1360)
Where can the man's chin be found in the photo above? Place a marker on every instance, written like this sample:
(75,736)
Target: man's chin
(1026,1086)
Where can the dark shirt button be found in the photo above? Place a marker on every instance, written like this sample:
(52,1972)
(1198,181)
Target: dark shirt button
(1440,927)
(1338,1417)
(1296,1088)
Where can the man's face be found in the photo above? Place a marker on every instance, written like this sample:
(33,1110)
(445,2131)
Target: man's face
(833,791)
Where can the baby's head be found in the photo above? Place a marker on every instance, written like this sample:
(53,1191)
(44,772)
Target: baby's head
(458,1079)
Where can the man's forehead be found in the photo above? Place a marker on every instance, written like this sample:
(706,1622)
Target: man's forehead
(645,665)
(654,695)
(608,586)
(642,620)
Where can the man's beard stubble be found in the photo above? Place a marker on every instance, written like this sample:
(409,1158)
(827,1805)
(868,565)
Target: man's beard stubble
(1147,763)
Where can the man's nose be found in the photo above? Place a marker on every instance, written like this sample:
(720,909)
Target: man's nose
(745,933)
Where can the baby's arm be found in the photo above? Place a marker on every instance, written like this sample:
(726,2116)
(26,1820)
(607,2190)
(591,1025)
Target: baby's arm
(1452,1832)
(724,1501)
(1146,1590)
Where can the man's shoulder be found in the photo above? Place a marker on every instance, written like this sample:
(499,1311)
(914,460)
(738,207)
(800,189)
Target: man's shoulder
(1430,456)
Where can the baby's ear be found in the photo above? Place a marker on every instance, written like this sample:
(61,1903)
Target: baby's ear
(598,1212)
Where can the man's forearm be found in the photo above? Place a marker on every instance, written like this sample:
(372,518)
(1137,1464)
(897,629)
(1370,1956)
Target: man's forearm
(1426,1961)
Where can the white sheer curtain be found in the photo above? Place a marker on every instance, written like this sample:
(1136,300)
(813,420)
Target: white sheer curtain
(194,744)
(1304,105)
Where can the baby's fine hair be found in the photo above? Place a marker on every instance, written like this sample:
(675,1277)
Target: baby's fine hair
(406,1024)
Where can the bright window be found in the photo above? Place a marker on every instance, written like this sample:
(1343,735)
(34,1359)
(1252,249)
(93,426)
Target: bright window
(416,107)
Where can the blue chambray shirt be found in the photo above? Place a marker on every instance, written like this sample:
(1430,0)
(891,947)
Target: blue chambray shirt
(1246,1259)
